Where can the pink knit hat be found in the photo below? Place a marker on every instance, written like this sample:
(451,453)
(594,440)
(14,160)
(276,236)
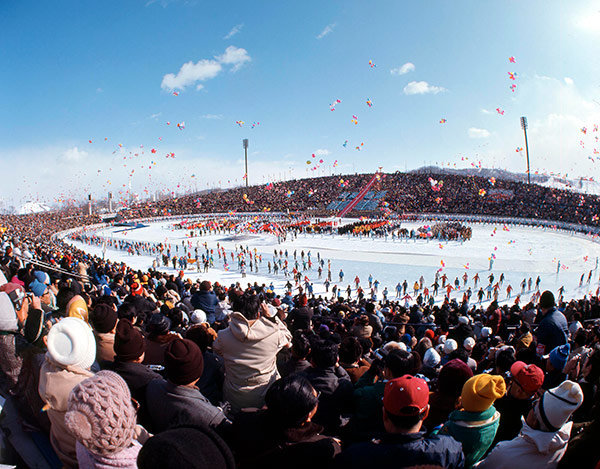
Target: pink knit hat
(100,413)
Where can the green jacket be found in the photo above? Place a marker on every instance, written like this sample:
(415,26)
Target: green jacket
(368,402)
(475,430)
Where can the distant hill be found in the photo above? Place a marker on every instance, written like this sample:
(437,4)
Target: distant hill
(33,207)
(584,186)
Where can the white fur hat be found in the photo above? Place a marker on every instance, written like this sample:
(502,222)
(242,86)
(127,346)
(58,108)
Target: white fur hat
(198,317)
(71,342)
(450,346)
(463,320)
(431,358)
(486,332)
(469,343)
(8,316)
(556,405)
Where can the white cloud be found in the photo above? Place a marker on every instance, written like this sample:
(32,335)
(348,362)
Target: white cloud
(485,111)
(99,90)
(155,115)
(191,73)
(212,116)
(568,80)
(589,21)
(236,29)
(73,154)
(322,152)
(328,29)
(235,56)
(404,69)
(474,132)
(422,87)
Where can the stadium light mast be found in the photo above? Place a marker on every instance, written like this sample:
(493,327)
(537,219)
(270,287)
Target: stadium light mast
(245,144)
(524,127)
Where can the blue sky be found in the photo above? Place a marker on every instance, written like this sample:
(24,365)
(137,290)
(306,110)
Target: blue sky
(79,71)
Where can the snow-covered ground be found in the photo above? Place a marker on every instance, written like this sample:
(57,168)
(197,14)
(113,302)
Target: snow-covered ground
(520,252)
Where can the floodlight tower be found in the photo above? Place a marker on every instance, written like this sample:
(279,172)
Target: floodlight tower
(245,144)
(524,127)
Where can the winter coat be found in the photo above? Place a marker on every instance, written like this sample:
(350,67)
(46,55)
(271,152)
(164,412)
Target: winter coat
(211,381)
(367,403)
(511,412)
(258,442)
(105,343)
(207,301)
(356,371)
(552,330)
(10,362)
(155,348)
(56,382)
(335,398)
(403,450)
(531,449)
(249,351)
(170,405)
(475,430)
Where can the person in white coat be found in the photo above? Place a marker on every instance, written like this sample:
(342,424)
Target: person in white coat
(545,434)
(249,347)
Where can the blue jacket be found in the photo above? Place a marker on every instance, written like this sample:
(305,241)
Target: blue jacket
(404,450)
(552,330)
(207,301)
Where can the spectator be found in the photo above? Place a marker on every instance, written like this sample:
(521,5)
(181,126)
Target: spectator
(552,330)
(476,424)
(284,435)
(213,374)
(405,406)
(301,316)
(104,321)
(249,347)
(351,358)
(159,338)
(516,404)
(177,401)
(206,300)
(102,418)
(545,434)
(300,350)
(71,353)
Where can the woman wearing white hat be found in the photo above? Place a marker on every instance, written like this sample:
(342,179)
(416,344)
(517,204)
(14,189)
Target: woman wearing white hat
(71,353)
(545,434)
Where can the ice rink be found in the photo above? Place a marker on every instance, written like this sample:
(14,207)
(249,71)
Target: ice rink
(520,252)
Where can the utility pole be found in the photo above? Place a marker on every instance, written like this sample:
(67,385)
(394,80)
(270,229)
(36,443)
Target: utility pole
(245,143)
(524,127)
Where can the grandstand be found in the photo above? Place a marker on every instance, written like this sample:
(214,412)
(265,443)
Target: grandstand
(370,202)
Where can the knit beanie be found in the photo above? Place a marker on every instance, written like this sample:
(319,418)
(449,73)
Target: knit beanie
(103,318)
(469,343)
(198,317)
(100,413)
(71,342)
(129,342)
(480,392)
(183,361)
(8,316)
(431,358)
(556,405)
(486,332)
(178,448)
(453,377)
(77,308)
(559,355)
(158,324)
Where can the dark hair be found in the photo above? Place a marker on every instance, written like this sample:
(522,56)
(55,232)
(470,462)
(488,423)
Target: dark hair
(366,343)
(461,354)
(479,351)
(300,345)
(289,401)
(350,350)
(400,362)
(404,421)
(176,317)
(200,336)
(205,285)
(369,307)
(324,353)
(127,311)
(248,305)
(504,359)
(63,297)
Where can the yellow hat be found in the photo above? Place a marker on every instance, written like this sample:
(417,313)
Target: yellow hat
(480,392)
(77,308)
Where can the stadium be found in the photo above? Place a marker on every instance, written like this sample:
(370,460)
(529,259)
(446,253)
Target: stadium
(374,280)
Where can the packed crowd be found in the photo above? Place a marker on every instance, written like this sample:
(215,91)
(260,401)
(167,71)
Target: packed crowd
(122,368)
(406,193)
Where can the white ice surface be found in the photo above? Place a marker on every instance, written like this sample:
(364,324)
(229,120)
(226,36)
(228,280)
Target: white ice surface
(521,252)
